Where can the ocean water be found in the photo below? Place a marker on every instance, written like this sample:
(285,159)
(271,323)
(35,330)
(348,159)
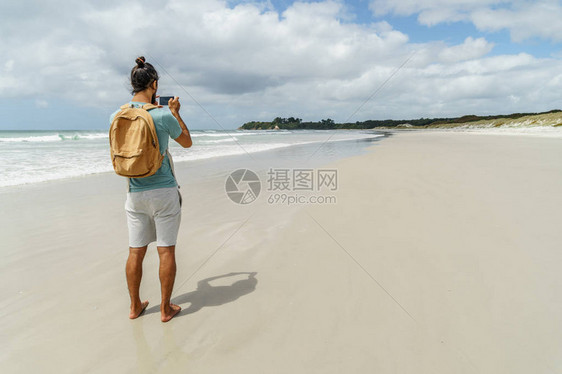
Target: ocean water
(39,156)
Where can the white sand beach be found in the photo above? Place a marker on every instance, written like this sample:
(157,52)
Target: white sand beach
(441,255)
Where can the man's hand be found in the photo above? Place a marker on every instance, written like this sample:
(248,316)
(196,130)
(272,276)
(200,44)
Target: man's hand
(185,138)
(174,105)
(156,101)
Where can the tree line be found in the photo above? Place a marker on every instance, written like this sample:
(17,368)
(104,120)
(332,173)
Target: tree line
(293,123)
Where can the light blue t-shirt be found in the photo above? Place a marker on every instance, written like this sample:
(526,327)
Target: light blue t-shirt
(166,126)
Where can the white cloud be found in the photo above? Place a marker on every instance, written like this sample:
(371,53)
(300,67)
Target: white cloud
(9,65)
(470,49)
(249,62)
(41,104)
(431,11)
(524,19)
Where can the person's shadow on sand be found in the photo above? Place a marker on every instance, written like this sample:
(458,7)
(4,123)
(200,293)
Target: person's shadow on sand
(208,295)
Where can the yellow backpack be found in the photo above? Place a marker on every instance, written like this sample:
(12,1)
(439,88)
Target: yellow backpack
(135,152)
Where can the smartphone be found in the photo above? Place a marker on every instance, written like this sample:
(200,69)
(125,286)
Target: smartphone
(163,100)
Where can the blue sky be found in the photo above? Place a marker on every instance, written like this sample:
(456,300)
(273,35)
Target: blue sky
(256,60)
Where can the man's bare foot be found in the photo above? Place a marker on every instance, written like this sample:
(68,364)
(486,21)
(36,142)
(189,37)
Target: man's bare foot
(136,312)
(170,312)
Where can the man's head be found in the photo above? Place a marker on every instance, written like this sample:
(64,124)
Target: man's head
(144,77)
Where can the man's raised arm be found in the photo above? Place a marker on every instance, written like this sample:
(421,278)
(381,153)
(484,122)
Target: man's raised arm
(185,138)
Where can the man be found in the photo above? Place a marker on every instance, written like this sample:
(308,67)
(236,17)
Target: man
(153,203)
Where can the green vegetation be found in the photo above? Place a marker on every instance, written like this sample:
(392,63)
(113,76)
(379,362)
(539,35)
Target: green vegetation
(293,123)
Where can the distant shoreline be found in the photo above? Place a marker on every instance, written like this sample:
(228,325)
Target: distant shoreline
(551,118)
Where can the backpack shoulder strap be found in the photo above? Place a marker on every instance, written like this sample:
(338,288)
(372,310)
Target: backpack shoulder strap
(149,106)
(145,106)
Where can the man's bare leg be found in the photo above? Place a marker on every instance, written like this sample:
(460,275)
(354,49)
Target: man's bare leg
(133,271)
(167,277)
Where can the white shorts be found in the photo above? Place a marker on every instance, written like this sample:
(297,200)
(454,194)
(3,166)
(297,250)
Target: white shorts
(153,215)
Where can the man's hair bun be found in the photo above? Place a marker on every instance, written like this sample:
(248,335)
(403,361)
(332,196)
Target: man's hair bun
(142,75)
(140,61)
